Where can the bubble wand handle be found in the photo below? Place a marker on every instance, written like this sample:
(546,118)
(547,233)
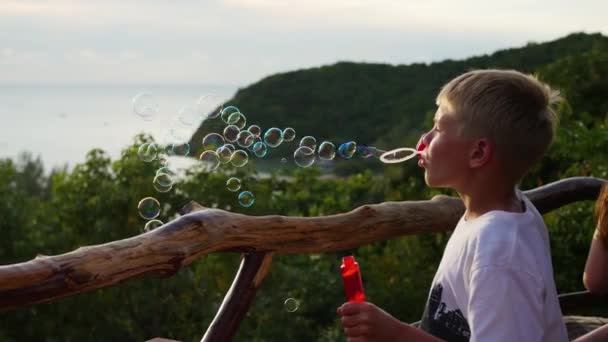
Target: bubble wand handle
(351,275)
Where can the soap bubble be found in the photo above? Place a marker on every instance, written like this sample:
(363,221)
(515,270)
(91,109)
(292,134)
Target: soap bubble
(291,305)
(245,139)
(347,149)
(255,139)
(327,150)
(149,208)
(237,119)
(209,106)
(367,151)
(233,184)
(309,141)
(212,141)
(304,156)
(165,169)
(210,160)
(283,160)
(239,158)
(226,112)
(224,153)
(288,134)
(260,149)
(255,130)
(273,137)
(188,115)
(231,132)
(145,106)
(178,149)
(246,199)
(152,224)
(147,152)
(162,182)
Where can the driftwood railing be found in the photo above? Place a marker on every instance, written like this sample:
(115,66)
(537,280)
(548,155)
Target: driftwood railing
(202,231)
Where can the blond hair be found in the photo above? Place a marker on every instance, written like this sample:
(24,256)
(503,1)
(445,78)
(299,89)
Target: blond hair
(513,110)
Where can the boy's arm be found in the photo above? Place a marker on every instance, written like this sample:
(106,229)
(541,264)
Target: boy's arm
(595,277)
(364,322)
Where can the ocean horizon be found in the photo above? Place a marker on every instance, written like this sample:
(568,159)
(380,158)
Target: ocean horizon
(62,123)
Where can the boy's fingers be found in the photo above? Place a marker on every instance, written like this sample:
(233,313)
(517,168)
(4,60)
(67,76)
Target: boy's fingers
(351,308)
(351,321)
(357,331)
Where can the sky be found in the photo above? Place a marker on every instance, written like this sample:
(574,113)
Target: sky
(237,42)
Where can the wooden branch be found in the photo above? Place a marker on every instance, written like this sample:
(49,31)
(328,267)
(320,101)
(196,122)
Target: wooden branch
(176,244)
(253,269)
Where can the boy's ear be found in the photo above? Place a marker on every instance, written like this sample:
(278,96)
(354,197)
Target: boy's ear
(481,152)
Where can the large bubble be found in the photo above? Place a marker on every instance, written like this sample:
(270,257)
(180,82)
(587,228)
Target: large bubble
(255,130)
(246,199)
(273,137)
(224,153)
(347,150)
(152,224)
(147,152)
(237,119)
(245,139)
(210,160)
(327,150)
(149,208)
(145,106)
(209,106)
(212,141)
(233,184)
(239,158)
(260,149)
(227,111)
(188,115)
(309,141)
(231,132)
(163,182)
(304,156)
(288,134)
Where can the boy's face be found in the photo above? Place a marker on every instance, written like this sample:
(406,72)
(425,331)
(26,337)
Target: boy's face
(445,156)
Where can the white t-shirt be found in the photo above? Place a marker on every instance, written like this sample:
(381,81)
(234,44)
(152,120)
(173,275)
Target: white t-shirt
(495,282)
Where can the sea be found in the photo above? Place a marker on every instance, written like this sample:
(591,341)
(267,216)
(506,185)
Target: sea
(62,123)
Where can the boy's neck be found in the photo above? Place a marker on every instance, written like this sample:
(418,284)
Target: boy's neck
(480,201)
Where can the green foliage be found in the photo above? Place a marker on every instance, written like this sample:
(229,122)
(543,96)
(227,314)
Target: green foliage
(96,202)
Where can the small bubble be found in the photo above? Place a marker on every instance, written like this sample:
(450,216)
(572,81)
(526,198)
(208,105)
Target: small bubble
(284,160)
(246,199)
(239,158)
(233,184)
(227,111)
(260,149)
(145,106)
(149,208)
(273,137)
(327,150)
(256,139)
(309,141)
(347,150)
(212,141)
(288,134)
(304,156)
(147,152)
(210,159)
(152,224)
(255,130)
(291,305)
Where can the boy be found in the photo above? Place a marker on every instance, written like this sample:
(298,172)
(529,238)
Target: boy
(495,280)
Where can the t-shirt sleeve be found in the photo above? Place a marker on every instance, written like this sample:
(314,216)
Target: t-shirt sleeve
(505,304)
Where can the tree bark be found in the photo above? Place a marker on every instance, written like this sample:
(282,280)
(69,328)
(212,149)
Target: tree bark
(201,231)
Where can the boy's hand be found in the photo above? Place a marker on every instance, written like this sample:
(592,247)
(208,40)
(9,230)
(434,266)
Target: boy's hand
(367,322)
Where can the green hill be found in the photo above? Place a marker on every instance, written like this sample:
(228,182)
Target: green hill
(380,104)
